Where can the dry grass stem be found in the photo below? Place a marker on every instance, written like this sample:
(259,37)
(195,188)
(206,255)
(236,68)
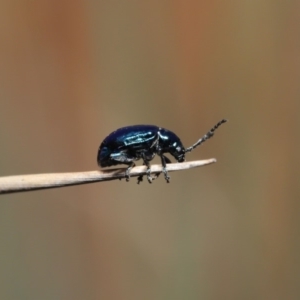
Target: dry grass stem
(23,183)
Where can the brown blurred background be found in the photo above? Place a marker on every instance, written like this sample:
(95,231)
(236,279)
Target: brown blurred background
(73,71)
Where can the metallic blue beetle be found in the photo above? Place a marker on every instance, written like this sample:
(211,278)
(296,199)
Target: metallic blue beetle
(128,144)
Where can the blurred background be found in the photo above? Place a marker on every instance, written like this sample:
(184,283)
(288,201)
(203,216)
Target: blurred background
(71,72)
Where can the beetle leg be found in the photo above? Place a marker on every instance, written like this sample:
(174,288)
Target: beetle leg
(127,176)
(140,179)
(148,172)
(167,160)
(164,161)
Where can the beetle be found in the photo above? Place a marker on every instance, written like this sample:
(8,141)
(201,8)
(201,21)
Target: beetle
(132,143)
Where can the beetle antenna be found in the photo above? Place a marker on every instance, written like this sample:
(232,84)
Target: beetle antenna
(206,136)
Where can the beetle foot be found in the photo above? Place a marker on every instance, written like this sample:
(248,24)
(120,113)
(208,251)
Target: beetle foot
(156,175)
(148,173)
(140,179)
(167,177)
(150,179)
(127,177)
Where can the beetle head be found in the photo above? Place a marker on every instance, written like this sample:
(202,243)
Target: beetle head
(178,151)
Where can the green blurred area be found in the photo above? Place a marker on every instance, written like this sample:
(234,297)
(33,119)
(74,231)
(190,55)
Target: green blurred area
(72,72)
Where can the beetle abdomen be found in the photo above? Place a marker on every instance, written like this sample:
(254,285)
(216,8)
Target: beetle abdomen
(129,142)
